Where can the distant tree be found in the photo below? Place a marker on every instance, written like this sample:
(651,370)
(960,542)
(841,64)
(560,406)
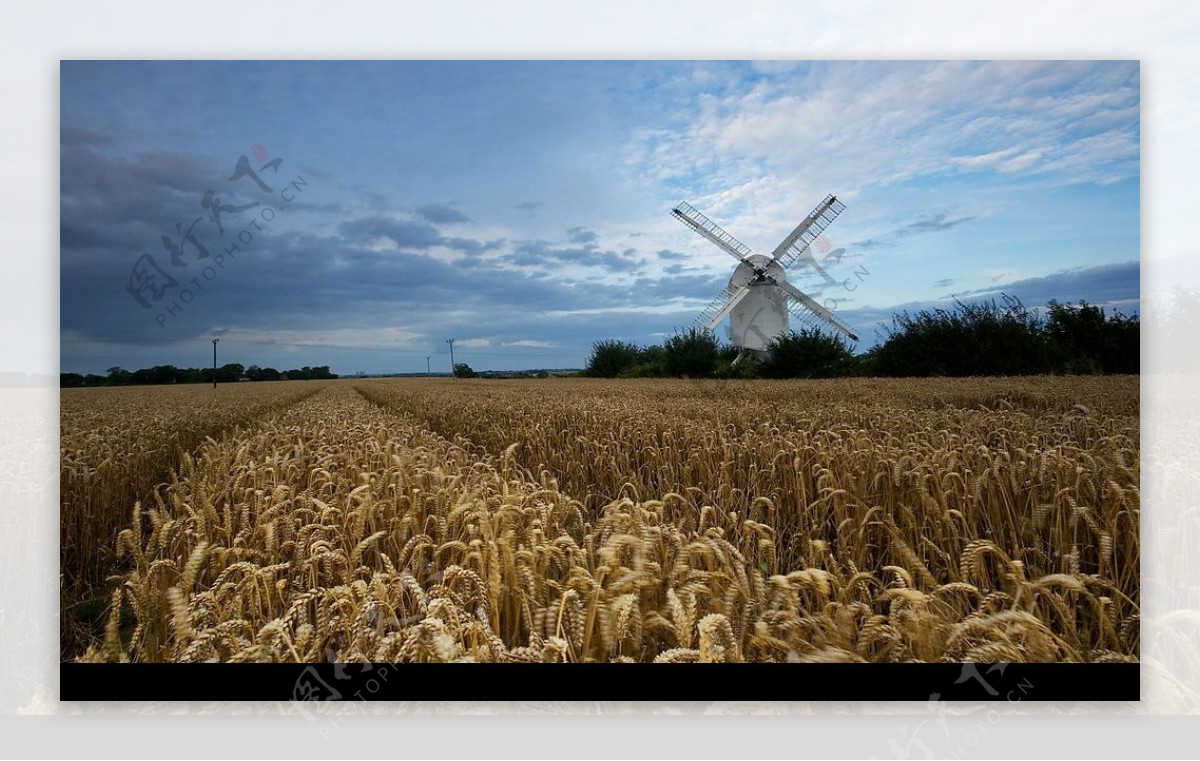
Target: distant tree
(650,363)
(983,338)
(70,380)
(1085,340)
(864,365)
(463,370)
(808,353)
(119,376)
(91,379)
(692,353)
(1076,334)
(230,373)
(609,358)
(164,374)
(1122,352)
(256,373)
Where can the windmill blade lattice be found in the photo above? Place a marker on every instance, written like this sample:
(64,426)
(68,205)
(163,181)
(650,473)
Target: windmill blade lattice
(797,242)
(817,322)
(808,310)
(715,307)
(691,216)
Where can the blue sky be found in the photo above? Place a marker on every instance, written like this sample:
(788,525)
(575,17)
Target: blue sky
(523,208)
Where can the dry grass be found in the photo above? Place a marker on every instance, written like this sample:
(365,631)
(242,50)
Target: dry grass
(572,520)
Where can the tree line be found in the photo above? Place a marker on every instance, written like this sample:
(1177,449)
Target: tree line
(983,338)
(163,374)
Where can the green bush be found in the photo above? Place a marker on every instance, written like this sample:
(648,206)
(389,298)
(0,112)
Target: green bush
(693,353)
(1085,340)
(1008,339)
(610,358)
(808,353)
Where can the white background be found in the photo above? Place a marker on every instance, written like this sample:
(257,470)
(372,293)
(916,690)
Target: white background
(33,38)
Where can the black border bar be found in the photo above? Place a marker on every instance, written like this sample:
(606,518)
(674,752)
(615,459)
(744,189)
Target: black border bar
(1011,682)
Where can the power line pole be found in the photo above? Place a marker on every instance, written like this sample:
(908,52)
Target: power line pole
(451,342)
(215,361)
(428,372)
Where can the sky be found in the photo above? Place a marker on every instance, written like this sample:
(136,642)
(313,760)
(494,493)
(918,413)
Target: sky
(359,214)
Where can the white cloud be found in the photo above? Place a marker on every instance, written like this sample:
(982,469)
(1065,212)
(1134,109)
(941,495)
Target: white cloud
(474,343)
(341,338)
(1019,163)
(851,126)
(381,244)
(984,160)
(531,343)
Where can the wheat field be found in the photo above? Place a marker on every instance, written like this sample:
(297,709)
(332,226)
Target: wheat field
(575,520)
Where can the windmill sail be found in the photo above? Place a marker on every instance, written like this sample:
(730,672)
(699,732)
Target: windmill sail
(805,308)
(797,242)
(719,307)
(690,216)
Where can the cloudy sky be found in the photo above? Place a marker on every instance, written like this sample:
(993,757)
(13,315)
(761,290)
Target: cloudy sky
(358,214)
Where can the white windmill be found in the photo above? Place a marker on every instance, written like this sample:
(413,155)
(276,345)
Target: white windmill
(759,300)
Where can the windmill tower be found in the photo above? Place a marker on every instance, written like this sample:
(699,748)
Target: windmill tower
(759,300)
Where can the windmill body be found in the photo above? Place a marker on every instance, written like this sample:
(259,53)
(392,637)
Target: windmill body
(759,301)
(762,314)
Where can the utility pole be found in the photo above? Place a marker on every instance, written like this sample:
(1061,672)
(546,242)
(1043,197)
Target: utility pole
(451,342)
(215,361)
(428,372)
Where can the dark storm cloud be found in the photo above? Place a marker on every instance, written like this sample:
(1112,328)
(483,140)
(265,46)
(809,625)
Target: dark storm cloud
(541,253)
(115,209)
(83,136)
(406,234)
(945,283)
(931,224)
(300,273)
(529,206)
(1106,285)
(472,247)
(615,262)
(301,281)
(146,190)
(581,235)
(700,287)
(442,214)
